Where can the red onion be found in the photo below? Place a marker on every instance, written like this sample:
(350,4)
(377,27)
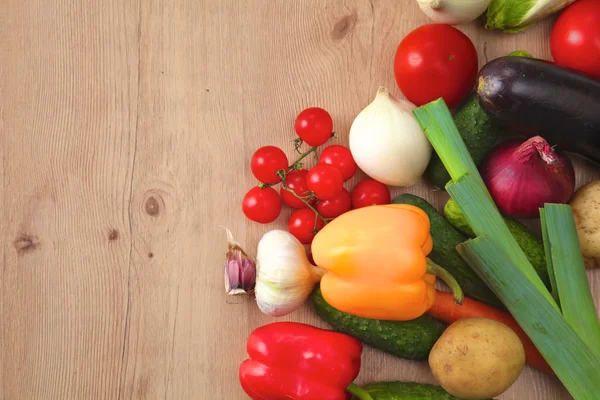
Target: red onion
(522,176)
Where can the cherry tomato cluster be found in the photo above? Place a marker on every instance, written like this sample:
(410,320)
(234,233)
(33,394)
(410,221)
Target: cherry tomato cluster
(317,194)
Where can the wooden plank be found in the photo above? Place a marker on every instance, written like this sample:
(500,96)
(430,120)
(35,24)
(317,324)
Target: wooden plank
(127,130)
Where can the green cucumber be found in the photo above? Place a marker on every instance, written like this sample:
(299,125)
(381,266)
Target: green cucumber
(445,240)
(407,391)
(529,243)
(479,132)
(411,340)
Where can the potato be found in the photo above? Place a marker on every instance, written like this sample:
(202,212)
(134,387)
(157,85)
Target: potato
(586,210)
(477,358)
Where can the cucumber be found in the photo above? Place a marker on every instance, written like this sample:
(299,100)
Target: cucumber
(529,243)
(479,132)
(411,340)
(445,240)
(407,391)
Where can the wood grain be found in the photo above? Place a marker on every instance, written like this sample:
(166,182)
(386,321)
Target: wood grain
(127,127)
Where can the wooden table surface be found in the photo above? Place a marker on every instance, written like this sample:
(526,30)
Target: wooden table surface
(127,128)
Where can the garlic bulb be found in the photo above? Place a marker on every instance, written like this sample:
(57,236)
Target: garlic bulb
(388,143)
(453,12)
(285,278)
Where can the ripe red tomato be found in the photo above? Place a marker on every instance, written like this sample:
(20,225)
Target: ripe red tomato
(341,158)
(265,163)
(433,61)
(314,126)
(336,206)
(295,180)
(370,192)
(575,38)
(325,181)
(262,205)
(302,225)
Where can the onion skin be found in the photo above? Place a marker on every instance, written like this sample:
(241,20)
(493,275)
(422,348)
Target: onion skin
(522,176)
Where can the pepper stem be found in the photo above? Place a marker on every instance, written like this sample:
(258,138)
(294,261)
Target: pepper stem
(434,269)
(358,392)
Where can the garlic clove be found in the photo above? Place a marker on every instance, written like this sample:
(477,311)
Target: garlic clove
(239,269)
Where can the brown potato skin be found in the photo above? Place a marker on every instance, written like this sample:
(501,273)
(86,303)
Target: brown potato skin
(586,211)
(477,358)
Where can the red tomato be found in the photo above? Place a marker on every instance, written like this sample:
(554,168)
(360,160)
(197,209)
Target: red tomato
(265,163)
(370,192)
(341,158)
(575,38)
(295,180)
(262,205)
(325,181)
(314,126)
(433,61)
(336,206)
(303,223)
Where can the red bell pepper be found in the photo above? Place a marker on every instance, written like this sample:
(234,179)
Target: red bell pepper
(290,360)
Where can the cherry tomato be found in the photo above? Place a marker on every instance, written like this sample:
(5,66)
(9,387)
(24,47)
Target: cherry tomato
(262,205)
(370,192)
(341,158)
(325,181)
(302,225)
(336,206)
(265,163)
(295,180)
(575,38)
(314,126)
(433,61)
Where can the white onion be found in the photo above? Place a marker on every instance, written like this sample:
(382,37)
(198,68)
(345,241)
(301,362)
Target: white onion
(453,12)
(388,143)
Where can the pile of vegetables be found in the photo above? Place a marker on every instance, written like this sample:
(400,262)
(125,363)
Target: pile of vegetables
(496,139)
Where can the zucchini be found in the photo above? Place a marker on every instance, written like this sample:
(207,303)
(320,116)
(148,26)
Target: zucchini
(479,132)
(534,97)
(407,391)
(445,240)
(411,340)
(529,243)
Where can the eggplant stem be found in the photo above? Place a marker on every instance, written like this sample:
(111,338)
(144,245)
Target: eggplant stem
(359,392)
(434,269)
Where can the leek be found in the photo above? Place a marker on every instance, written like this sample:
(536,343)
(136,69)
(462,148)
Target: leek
(549,256)
(573,287)
(568,355)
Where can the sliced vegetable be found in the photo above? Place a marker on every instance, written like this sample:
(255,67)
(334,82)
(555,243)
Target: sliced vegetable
(529,243)
(518,15)
(375,258)
(446,310)
(387,143)
(285,277)
(524,175)
(411,340)
(453,12)
(534,97)
(445,240)
(300,361)
(572,284)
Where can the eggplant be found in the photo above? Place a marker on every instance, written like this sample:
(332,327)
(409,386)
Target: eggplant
(535,97)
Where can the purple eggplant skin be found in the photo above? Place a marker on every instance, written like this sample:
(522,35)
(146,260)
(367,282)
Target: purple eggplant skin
(534,97)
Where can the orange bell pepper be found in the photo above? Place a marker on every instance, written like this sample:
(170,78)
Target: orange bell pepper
(376,263)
